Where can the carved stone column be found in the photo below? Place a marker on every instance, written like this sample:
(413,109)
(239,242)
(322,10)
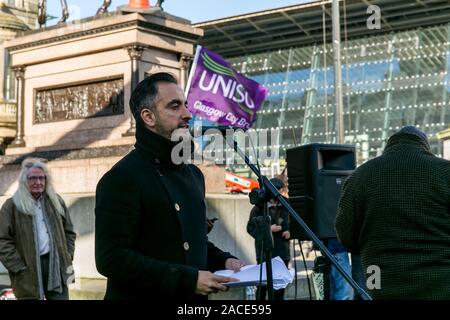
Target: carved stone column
(185,64)
(135,53)
(19,73)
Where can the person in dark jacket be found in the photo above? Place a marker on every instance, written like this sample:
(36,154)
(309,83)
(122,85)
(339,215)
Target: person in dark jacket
(150,225)
(394,211)
(279,226)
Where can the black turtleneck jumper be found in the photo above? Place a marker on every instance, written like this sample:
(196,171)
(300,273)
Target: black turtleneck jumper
(150,224)
(395,211)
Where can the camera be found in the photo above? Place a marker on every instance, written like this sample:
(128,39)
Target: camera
(260,196)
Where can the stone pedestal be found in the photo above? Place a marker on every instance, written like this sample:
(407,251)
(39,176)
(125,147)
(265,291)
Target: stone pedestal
(79,61)
(75,82)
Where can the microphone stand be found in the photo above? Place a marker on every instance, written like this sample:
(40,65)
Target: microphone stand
(264,236)
(266,185)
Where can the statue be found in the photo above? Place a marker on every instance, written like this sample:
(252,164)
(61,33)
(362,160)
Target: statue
(159,4)
(42,11)
(104,8)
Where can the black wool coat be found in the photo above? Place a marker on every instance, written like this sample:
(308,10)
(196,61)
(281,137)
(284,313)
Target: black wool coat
(150,225)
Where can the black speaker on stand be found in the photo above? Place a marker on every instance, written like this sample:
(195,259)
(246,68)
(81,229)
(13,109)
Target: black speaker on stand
(315,175)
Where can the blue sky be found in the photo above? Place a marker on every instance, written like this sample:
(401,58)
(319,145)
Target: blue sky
(194,10)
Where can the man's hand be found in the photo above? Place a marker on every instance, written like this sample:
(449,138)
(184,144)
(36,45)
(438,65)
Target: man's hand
(286,235)
(234,264)
(210,224)
(208,282)
(275,228)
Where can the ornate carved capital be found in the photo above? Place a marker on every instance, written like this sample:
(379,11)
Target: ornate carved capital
(186,60)
(19,72)
(135,51)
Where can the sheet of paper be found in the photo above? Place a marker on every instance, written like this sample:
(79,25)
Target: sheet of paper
(250,275)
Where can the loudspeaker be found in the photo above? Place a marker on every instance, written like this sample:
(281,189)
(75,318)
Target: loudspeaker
(315,176)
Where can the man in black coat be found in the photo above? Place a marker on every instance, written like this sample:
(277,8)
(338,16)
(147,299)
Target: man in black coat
(151,231)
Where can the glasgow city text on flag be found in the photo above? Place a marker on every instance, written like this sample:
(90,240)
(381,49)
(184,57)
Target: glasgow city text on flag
(217,92)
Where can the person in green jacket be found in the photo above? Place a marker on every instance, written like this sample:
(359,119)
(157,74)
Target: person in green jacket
(394,211)
(37,238)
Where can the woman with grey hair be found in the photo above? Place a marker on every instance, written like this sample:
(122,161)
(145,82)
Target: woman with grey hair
(37,240)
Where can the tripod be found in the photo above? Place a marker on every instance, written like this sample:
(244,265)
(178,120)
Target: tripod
(268,190)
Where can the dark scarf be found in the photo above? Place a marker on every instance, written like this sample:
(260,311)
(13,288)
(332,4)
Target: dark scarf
(155,146)
(51,218)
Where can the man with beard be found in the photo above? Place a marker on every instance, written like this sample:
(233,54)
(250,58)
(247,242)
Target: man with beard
(151,230)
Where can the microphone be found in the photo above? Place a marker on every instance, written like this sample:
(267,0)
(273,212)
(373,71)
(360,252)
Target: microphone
(196,131)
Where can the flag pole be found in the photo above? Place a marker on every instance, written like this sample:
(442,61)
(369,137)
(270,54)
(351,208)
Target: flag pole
(191,74)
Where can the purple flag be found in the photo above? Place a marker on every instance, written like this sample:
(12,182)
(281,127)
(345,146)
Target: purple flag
(219,93)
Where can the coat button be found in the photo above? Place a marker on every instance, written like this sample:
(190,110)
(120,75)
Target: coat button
(186,246)
(177,207)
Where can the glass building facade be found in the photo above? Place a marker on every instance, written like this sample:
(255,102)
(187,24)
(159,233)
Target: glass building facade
(389,81)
